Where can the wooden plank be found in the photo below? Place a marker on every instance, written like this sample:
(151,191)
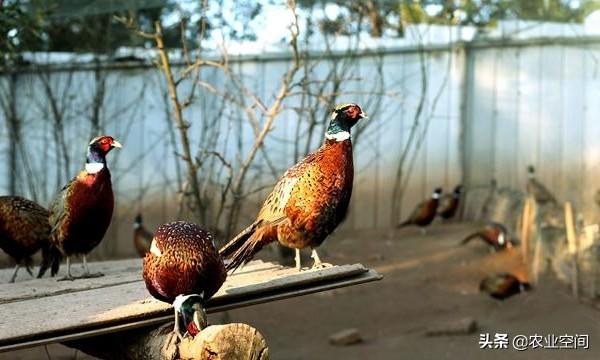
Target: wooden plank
(116,273)
(125,305)
(105,267)
(368,276)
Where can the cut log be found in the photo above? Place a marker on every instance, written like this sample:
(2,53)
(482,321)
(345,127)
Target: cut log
(218,342)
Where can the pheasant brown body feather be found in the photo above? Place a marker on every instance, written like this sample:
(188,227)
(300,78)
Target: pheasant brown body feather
(425,212)
(24,227)
(307,203)
(449,203)
(82,213)
(183,260)
(318,201)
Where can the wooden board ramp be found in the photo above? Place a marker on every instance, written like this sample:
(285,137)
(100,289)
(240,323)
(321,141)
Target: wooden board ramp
(41,311)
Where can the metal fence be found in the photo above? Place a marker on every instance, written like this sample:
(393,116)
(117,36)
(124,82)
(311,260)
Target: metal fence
(489,110)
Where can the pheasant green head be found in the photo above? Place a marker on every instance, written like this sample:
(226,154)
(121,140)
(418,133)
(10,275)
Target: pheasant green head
(343,118)
(192,313)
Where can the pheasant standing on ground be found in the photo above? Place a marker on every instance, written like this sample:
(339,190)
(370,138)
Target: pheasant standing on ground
(503,285)
(494,234)
(142,238)
(425,212)
(82,211)
(24,230)
(309,201)
(449,203)
(184,268)
(540,193)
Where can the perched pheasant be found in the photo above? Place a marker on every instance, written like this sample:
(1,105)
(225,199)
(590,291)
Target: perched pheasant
(24,230)
(449,203)
(494,234)
(425,212)
(142,238)
(183,260)
(503,285)
(309,201)
(540,193)
(82,211)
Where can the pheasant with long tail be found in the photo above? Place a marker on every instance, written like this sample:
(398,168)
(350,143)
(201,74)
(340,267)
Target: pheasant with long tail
(309,201)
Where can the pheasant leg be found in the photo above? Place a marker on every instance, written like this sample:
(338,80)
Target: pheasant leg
(297,259)
(318,264)
(86,271)
(14,275)
(69,277)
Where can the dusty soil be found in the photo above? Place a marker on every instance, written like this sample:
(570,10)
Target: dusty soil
(428,281)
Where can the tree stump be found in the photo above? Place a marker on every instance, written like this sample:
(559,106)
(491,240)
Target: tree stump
(226,342)
(217,342)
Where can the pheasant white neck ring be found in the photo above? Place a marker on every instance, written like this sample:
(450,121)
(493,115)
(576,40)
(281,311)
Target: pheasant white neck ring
(94,167)
(338,136)
(154,248)
(95,161)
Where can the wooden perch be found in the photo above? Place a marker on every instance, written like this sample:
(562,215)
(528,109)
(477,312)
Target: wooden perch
(526,221)
(217,342)
(572,242)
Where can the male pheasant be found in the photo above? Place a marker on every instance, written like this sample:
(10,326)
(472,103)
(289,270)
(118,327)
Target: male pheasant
(424,213)
(503,285)
(82,211)
(24,230)
(494,234)
(449,203)
(183,267)
(142,238)
(309,201)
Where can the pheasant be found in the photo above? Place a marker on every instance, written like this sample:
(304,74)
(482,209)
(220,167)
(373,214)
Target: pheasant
(503,285)
(24,230)
(82,211)
(309,201)
(142,238)
(494,234)
(540,193)
(424,213)
(449,203)
(182,261)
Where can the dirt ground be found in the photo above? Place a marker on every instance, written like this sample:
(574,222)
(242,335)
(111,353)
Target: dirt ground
(428,281)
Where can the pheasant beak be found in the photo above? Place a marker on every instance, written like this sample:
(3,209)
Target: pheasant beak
(363,115)
(116,144)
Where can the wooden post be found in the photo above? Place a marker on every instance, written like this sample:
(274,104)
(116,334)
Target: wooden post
(526,229)
(572,243)
(216,342)
(537,258)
